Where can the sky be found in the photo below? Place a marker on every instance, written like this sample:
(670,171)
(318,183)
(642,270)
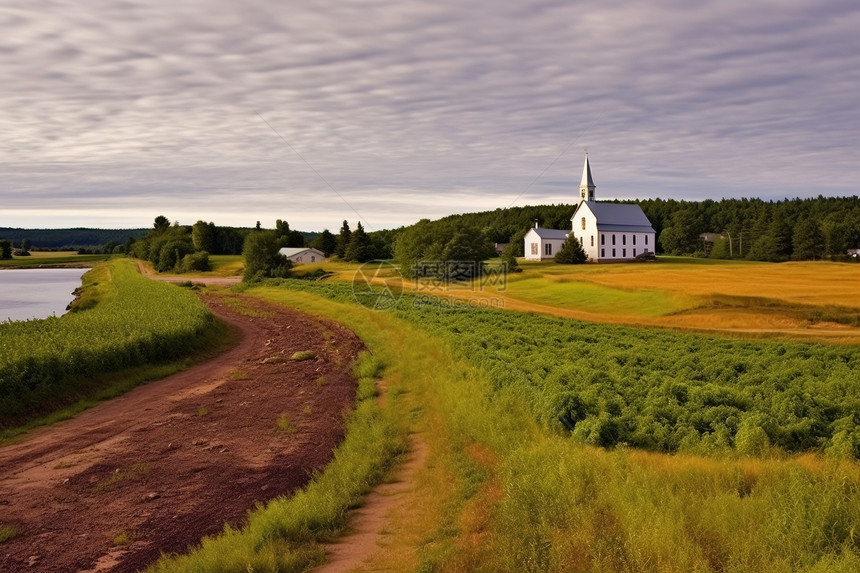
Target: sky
(115,112)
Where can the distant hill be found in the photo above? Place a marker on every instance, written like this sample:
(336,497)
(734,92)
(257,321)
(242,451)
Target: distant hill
(86,238)
(71,239)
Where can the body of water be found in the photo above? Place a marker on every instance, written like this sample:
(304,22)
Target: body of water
(37,293)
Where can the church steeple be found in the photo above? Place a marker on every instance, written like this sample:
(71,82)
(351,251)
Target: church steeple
(586,186)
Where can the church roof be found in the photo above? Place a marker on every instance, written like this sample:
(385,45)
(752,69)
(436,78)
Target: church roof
(620,217)
(587,181)
(550,233)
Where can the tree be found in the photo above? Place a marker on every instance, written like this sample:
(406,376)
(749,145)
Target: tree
(171,253)
(343,240)
(508,258)
(5,249)
(262,259)
(287,237)
(326,242)
(571,252)
(161,224)
(25,244)
(203,236)
(808,241)
(360,248)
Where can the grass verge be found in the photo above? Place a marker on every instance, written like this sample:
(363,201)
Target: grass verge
(217,339)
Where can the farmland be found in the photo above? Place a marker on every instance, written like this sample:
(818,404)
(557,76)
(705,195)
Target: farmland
(123,321)
(803,300)
(509,489)
(52,259)
(564,445)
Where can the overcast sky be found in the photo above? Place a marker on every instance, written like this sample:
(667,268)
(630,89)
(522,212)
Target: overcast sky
(114,112)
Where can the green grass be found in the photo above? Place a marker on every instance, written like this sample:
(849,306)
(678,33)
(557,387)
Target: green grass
(7,533)
(302,355)
(42,260)
(537,500)
(564,292)
(127,321)
(122,538)
(136,472)
(110,385)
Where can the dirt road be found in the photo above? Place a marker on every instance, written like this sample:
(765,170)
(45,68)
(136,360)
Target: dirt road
(158,468)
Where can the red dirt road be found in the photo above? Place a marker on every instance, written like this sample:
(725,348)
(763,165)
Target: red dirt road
(158,468)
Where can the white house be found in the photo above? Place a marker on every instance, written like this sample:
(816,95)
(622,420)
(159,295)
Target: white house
(542,244)
(303,254)
(608,232)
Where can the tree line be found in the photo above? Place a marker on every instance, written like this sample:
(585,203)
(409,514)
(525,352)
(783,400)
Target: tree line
(798,229)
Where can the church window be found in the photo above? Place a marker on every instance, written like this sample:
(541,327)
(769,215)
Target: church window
(624,253)
(583,223)
(547,249)
(592,240)
(613,252)
(634,239)
(623,239)
(613,238)
(534,248)
(602,239)
(646,239)
(634,252)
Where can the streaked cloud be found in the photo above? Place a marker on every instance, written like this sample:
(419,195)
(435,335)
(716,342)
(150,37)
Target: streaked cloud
(113,113)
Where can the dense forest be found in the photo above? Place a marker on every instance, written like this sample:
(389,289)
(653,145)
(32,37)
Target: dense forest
(800,229)
(69,239)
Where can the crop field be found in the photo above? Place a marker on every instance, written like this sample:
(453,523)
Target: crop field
(675,286)
(804,300)
(125,320)
(548,443)
(52,259)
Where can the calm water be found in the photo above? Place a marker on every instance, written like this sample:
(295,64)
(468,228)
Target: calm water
(37,293)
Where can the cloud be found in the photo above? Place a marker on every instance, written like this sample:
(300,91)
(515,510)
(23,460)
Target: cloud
(414,109)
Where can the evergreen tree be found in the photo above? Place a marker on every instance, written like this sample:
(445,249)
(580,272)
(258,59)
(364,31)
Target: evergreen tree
(5,249)
(161,224)
(571,253)
(508,258)
(325,242)
(808,240)
(360,248)
(343,240)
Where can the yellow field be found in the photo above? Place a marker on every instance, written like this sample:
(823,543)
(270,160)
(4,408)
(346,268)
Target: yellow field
(809,300)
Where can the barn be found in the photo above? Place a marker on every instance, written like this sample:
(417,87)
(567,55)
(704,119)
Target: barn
(300,255)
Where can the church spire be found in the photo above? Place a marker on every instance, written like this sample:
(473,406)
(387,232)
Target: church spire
(586,186)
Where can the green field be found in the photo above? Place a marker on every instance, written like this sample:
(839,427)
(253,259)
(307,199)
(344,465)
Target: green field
(562,445)
(123,321)
(508,487)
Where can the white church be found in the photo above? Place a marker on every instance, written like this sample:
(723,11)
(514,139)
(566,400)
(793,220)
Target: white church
(608,232)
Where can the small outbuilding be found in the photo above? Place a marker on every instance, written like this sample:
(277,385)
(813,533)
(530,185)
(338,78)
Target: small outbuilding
(542,244)
(300,255)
